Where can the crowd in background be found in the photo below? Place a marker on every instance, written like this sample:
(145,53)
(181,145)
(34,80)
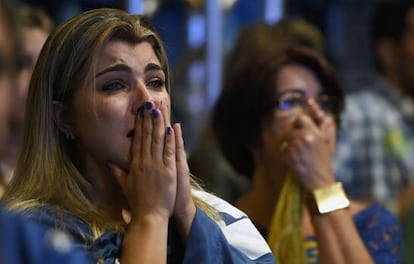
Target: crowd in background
(286,127)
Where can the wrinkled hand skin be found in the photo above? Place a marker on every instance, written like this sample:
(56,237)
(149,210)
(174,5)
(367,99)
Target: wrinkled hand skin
(311,148)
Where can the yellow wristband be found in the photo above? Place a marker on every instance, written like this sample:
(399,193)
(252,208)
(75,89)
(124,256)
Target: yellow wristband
(330,198)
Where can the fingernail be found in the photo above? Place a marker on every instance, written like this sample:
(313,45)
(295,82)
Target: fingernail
(154,113)
(169,130)
(148,105)
(141,112)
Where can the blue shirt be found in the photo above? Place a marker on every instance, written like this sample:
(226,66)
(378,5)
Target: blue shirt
(380,231)
(234,239)
(24,242)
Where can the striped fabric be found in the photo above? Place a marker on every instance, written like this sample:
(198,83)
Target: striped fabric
(239,231)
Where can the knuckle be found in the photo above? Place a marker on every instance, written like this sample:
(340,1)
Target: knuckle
(169,150)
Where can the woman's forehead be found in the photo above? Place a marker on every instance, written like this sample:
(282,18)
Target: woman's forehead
(297,77)
(136,56)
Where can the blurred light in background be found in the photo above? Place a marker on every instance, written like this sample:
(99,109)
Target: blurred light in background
(196,80)
(273,11)
(147,7)
(214,51)
(227,4)
(196,30)
(134,7)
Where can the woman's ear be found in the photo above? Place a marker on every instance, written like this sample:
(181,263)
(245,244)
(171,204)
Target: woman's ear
(61,119)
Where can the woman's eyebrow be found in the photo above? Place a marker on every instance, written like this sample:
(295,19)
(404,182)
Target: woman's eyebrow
(116,67)
(126,68)
(152,67)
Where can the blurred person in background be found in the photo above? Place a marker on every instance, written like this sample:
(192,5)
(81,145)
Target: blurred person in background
(375,152)
(21,241)
(35,26)
(276,121)
(206,160)
(8,68)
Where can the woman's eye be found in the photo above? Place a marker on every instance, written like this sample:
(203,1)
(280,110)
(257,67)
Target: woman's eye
(156,83)
(113,86)
(290,103)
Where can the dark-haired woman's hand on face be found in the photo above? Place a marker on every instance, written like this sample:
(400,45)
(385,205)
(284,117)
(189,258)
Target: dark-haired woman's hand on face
(151,183)
(311,148)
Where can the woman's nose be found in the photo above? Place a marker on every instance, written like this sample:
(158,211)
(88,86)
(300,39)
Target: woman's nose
(312,104)
(313,109)
(140,96)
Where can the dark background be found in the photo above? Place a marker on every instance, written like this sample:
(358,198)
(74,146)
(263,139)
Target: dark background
(182,25)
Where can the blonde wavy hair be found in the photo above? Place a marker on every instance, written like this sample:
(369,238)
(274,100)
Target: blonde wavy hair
(48,171)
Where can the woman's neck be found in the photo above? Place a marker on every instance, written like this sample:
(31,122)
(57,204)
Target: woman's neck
(106,192)
(261,201)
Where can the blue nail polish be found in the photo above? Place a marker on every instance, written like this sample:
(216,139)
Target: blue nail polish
(154,113)
(148,105)
(141,112)
(169,130)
